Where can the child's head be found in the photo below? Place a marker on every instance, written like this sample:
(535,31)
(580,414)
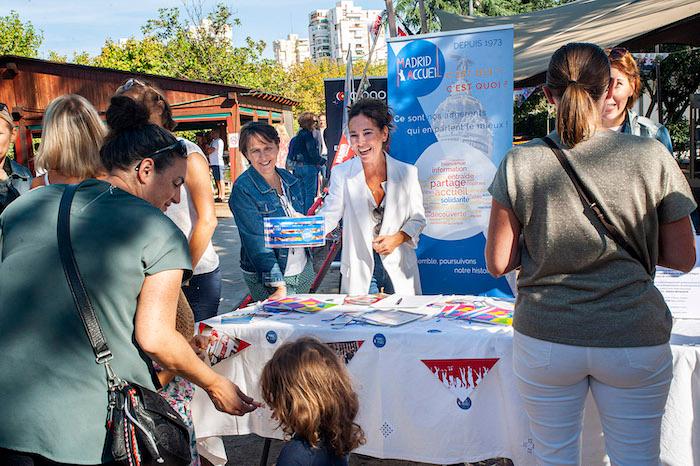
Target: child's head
(309,391)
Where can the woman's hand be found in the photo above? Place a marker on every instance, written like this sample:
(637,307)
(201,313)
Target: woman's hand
(228,398)
(279,293)
(385,244)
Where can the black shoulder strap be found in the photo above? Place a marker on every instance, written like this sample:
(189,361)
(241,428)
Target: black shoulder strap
(589,201)
(75,281)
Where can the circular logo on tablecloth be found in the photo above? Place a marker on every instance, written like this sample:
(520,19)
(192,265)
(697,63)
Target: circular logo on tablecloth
(464,404)
(379,340)
(271,337)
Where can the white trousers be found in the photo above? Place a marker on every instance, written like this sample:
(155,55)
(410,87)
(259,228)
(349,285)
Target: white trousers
(629,386)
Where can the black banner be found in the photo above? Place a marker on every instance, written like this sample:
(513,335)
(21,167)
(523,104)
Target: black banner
(334,107)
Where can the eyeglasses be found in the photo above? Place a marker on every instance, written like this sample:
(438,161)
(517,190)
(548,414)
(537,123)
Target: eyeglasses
(378,215)
(131,82)
(3,106)
(178,147)
(617,53)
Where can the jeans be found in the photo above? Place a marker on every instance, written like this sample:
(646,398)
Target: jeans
(204,294)
(308,175)
(629,386)
(381,282)
(18,458)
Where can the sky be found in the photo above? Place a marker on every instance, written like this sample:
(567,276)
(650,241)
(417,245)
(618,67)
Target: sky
(74,26)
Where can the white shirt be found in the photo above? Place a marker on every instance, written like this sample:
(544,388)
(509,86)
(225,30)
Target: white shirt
(296,259)
(217,157)
(184,215)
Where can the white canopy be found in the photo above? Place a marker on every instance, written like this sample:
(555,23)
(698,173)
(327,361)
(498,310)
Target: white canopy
(635,24)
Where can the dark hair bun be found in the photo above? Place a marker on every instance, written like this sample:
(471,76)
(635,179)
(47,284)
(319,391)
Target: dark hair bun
(125,114)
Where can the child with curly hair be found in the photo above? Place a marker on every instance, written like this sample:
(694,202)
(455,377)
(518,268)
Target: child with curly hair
(309,391)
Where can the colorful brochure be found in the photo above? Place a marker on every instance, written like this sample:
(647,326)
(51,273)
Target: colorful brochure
(292,232)
(296,304)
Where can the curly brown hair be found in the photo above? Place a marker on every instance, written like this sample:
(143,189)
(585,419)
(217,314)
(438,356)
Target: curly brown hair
(309,391)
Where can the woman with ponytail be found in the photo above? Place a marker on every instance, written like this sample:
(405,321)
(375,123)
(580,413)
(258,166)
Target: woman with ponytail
(587,315)
(132,258)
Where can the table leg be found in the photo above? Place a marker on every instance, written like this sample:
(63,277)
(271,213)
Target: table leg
(265,452)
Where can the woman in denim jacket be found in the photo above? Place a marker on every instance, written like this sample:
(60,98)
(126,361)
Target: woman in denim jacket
(264,190)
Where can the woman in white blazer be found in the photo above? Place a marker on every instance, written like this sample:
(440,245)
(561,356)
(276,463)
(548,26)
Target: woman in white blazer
(380,201)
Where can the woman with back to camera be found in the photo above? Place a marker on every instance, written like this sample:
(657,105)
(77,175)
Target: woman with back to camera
(627,86)
(132,259)
(195,214)
(71,136)
(588,316)
(261,191)
(381,203)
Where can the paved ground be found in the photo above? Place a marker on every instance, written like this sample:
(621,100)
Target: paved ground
(246,450)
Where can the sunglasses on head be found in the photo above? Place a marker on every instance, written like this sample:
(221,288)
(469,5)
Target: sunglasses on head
(617,52)
(3,106)
(178,147)
(131,82)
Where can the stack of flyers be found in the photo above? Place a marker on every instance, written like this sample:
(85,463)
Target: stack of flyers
(364,300)
(388,317)
(493,311)
(296,304)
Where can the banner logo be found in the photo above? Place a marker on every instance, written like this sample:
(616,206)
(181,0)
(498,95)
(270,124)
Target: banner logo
(419,67)
(461,376)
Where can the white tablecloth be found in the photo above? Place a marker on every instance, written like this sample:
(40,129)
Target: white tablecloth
(439,391)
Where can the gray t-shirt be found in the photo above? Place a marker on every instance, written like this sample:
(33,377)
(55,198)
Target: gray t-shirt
(53,396)
(576,285)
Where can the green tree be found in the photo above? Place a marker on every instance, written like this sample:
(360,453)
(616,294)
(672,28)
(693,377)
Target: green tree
(408,11)
(18,37)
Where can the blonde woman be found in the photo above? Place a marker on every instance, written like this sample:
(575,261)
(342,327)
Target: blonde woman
(70,142)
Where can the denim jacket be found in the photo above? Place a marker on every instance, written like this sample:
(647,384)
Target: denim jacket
(641,126)
(18,182)
(251,201)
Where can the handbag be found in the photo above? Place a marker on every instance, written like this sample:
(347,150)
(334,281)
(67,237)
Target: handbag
(143,428)
(590,201)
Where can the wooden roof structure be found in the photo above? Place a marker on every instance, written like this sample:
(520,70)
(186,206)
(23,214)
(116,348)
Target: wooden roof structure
(28,85)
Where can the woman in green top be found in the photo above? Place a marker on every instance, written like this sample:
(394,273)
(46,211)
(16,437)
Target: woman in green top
(588,316)
(53,396)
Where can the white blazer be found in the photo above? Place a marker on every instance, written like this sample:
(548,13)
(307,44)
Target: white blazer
(403,211)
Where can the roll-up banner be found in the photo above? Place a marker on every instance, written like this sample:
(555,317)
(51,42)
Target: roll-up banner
(452,96)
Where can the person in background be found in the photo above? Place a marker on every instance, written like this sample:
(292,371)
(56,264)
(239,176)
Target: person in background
(380,202)
(194,214)
(309,390)
(305,158)
(627,86)
(15,179)
(588,316)
(215,151)
(71,137)
(132,260)
(284,145)
(264,190)
(319,135)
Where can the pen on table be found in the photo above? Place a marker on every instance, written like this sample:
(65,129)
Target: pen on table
(399,301)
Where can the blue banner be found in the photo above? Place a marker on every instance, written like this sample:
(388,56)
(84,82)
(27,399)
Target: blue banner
(452,96)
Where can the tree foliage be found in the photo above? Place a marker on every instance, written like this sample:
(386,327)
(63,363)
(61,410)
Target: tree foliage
(408,10)
(18,37)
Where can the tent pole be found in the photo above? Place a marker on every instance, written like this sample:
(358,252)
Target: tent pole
(657,49)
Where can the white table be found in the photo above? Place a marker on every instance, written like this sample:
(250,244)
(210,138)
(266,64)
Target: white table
(439,391)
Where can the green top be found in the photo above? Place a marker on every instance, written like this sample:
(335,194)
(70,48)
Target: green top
(53,396)
(576,285)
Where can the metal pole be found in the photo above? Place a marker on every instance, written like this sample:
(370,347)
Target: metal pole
(659,102)
(471,7)
(391,16)
(423,17)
